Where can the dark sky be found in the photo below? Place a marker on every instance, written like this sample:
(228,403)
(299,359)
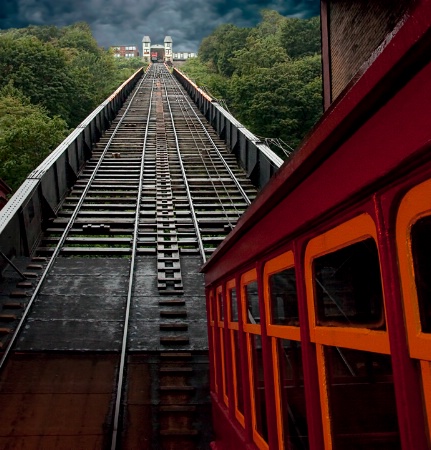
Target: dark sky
(125,22)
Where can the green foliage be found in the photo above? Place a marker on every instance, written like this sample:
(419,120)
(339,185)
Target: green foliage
(50,80)
(218,48)
(125,68)
(62,69)
(27,135)
(301,37)
(269,75)
(38,70)
(216,84)
(283,101)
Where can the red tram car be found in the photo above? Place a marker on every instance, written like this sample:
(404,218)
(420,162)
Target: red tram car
(319,301)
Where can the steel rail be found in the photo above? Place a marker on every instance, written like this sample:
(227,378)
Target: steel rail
(63,237)
(186,183)
(233,176)
(190,122)
(122,366)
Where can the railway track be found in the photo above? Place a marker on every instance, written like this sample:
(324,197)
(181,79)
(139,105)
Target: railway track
(113,303)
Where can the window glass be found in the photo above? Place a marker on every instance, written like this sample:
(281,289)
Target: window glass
(233,305)
(292,394)
(237,362)
(259,386)
(421,250)
(348,287)
(252,299)
(284,301)
(220,306)
(361,400)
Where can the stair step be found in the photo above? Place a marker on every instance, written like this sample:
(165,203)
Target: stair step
(13,305)
(172,340)
(24,284)
(34,267)
(18,294)
(177,408)
(174,326)
(175,369)
(7,317)
(174,313)
(172,302)
(176,355)
(178,432)
(177,388)
(38,259)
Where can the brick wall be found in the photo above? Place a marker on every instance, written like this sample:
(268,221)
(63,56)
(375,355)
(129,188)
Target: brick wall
(356,29)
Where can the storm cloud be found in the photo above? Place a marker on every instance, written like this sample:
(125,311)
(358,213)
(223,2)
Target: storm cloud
(125,22)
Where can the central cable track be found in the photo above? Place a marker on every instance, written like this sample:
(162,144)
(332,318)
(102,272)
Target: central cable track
(119,284)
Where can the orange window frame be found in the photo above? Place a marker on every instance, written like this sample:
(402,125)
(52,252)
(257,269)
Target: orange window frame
(278,264)
(249,328)
(220,306)
(213,338)
(246,279)
(414,206)
(348,233)
(233,328)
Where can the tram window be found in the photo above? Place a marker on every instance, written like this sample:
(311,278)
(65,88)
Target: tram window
(239,385)
(295,434)
(421,250)
(253,315)
(259,386)
(220,306)
(284,301)
(361,400)
(233,305)
(348,287)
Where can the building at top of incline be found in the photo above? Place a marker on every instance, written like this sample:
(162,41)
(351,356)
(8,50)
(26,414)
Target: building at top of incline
(157,52)
(125,51)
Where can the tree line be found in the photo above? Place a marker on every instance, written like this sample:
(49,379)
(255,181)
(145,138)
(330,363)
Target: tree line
(269,76)
(50,79)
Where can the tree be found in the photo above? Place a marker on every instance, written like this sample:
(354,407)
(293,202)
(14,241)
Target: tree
(218,49)
(301,37)
(49,76)
(283,102)
(39,70)
(270,76)
(27,135)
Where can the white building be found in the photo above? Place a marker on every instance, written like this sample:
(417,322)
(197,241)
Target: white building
(146,49)
(163,52)
(182,56)
(168,49)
